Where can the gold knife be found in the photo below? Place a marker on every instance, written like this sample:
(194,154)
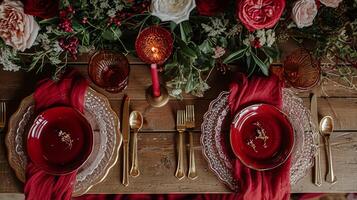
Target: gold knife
(126,135)
(316,137)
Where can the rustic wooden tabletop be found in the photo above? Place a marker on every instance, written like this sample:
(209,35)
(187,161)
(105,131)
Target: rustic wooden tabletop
(157,158)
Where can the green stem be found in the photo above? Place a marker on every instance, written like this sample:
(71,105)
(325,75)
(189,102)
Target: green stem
(125,49)
(144,21)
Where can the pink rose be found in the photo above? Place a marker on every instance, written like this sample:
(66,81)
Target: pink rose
(331,3)
(17,29)
(304,13)
(260,14)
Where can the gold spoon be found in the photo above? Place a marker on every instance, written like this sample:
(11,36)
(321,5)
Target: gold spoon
(326,128)
(136,121)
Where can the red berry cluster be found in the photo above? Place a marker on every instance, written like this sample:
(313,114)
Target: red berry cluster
(65,19)
(70,45)
(66,25)
(67,12)
(140,7)
(221,67)
(256,43)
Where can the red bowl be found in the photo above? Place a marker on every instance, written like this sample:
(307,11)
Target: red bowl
(262,137)
(60,140)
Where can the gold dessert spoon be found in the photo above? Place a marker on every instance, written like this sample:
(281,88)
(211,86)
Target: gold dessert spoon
(326,128)
(136,121)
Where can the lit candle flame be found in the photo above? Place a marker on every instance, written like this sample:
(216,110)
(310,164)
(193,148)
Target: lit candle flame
(155,52)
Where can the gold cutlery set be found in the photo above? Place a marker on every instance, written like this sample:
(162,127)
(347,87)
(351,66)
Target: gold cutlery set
(326,126)
(135,122)
(185,121)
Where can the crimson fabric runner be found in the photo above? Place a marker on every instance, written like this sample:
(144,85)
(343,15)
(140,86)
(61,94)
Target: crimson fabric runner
(254,185)
(69,91)
(264,185)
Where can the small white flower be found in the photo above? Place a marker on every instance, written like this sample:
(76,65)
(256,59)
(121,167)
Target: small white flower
(261,36)
(216,28)
(234,31)
(43,40)
(247,41)
(172,10)
(119,7)
(111,12)
(55,60)
(177,92)
(104,4)
(270,34)
(56,47)
(5,59)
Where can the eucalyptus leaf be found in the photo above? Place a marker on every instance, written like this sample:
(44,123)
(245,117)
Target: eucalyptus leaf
(173,26)
(186,31)
(183,34)
(234,56)
(86,39)
(223,41)
(49,21)
(111,34)
(77,27)
(186,50)
(190,84)
(261,64)
(206,47)
(271,52)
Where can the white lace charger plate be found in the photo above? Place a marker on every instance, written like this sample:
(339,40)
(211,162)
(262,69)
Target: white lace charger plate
(216,147)
(106,140)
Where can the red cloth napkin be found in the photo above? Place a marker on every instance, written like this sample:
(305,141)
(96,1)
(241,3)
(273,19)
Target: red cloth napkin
(266,185)
(69,91)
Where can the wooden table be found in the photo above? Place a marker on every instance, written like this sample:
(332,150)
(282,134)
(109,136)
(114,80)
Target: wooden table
(156,149)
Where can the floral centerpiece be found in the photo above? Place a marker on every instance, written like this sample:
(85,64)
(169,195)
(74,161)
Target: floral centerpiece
(209,35)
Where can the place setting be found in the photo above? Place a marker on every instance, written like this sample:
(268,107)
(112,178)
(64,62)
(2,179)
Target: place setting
(91,139)
(186,99)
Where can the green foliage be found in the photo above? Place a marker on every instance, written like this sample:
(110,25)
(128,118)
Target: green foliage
(201,45)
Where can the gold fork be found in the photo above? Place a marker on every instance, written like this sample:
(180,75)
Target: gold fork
(180,127)
(2,115)
(190,125)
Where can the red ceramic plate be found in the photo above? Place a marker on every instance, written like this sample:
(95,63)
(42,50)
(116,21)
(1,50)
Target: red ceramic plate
(60,140)
(262,137)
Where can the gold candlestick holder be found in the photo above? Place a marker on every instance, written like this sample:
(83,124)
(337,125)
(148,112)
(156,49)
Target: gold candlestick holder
(159,101)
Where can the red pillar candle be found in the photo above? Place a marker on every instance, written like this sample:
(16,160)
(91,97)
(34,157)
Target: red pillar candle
(155,81)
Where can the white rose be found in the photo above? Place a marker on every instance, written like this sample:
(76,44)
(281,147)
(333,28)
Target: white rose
(17,29)
(304,13)
(172,10)
(331,3)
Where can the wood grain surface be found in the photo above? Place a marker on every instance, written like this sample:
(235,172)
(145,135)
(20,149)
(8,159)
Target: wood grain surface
(157,158)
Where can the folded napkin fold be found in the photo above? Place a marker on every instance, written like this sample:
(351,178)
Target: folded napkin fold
(69,91)
(263,185)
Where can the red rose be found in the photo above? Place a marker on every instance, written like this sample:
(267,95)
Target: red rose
(41,8)
(211,7)
(259,14)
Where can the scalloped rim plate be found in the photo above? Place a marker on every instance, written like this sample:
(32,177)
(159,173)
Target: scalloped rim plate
(13,156)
